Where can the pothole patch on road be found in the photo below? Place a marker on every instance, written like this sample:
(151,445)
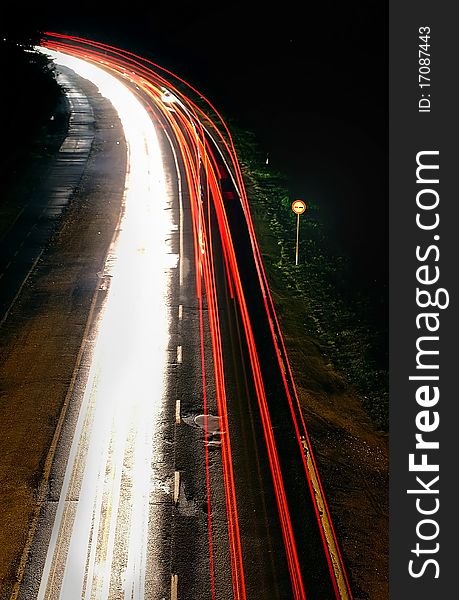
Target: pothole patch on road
(213,427)
(213,422)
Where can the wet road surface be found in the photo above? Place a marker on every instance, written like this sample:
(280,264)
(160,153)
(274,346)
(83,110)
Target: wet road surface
(23,243)
(179,471)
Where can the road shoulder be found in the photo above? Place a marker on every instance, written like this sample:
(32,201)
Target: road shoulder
(42,337)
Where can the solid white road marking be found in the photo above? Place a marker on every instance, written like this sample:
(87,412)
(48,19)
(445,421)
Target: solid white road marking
(180,196)
(181,235)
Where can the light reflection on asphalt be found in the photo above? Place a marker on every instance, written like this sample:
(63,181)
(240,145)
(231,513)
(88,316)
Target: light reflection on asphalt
(103,513)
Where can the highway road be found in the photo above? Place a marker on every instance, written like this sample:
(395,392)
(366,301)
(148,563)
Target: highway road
(184,470)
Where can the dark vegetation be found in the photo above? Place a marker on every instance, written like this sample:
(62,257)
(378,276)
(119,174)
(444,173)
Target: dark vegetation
(344,320)
(35,117)
(30,95)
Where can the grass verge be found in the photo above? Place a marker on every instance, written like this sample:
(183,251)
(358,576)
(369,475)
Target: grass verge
(329,310)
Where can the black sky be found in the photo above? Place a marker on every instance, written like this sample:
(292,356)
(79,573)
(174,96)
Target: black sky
(312,85)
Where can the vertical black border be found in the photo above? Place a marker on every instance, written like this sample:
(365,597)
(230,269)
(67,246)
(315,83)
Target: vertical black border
(409,133)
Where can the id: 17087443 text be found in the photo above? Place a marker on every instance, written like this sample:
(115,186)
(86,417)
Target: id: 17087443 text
(424,102)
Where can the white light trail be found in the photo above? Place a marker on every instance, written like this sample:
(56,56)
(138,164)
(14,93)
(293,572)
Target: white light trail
(99,539)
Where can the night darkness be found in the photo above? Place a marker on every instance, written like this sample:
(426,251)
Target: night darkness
(312,86)
(310,81)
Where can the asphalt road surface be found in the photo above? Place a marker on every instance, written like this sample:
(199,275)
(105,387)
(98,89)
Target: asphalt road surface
(23,242)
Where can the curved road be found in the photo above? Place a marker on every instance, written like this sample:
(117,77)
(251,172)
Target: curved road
(186,469)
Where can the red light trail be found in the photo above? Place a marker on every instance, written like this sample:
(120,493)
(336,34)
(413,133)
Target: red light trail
(207,152)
